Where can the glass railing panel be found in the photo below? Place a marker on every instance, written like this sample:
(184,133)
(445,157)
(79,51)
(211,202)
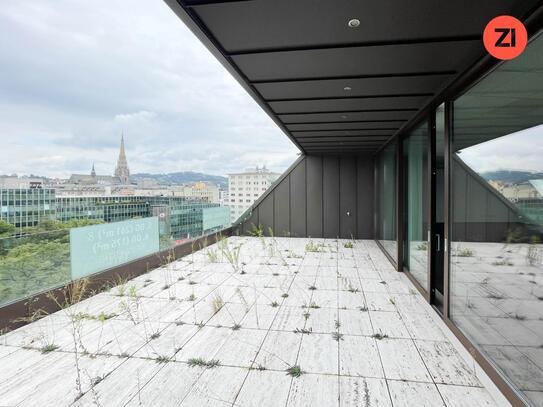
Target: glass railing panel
(31,263)
(100,247)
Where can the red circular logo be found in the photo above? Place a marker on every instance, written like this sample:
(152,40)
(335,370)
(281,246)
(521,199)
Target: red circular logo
(505,37)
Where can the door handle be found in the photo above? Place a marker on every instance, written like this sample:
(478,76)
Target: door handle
(438,242)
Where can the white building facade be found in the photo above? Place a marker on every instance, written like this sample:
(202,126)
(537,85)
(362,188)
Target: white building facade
(245,188)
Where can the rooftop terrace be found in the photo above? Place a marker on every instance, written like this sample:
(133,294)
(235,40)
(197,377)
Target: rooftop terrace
(247,322)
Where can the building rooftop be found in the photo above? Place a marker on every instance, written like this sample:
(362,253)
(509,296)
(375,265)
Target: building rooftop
(203,331)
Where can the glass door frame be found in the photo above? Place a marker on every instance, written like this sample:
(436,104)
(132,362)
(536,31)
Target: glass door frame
(448,129)
(427,291)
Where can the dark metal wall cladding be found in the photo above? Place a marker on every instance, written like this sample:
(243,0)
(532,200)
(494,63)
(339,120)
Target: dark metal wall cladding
(303,63)
(341,199)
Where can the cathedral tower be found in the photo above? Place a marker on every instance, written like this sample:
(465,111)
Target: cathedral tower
(122,170)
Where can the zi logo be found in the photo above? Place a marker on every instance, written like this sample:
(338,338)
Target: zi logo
(505,37)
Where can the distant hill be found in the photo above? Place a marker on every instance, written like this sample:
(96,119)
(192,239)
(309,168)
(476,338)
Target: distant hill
(184,177)
(511,177)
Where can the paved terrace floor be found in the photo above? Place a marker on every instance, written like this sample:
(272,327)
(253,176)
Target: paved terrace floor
(358,331)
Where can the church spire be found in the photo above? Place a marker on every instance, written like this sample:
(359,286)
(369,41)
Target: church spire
(122,170)
(93,172)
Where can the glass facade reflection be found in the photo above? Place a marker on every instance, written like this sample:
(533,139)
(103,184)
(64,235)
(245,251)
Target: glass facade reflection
(385,207)
(496,270)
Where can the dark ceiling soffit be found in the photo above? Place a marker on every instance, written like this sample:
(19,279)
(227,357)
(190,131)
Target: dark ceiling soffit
(299,132)
(372,144)
(533,21)
(383,138)
(353,121)
(349,111)
(195,3)
(351,77)
(366,138)
(314,47)
(398,95)
(339,146)
(340,150)
(375,144)
(194,24)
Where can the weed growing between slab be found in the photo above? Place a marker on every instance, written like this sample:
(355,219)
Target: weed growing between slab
(194,362)
(295,371)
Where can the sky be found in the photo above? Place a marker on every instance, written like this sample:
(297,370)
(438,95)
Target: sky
(75,74)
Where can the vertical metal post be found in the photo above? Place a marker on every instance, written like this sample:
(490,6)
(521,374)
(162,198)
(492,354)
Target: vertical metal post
(447,209)
(431,203)
(399,203)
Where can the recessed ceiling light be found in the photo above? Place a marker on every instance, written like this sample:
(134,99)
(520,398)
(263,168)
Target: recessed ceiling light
(347,88)
(354,22)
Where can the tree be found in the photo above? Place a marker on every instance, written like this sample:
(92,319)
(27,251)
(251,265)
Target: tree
(6,229)
(33,267)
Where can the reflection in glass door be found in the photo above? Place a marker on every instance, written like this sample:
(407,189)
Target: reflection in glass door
(415,171)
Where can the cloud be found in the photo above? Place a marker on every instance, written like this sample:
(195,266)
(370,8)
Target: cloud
(77,73)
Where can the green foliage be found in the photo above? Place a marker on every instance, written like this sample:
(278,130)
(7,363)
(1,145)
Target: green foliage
(465,253)
(312,247)
(37,258)
(295,371)
(34,264)
(348,245)
(379,336)
(256,231)
(514,236)
(193,362)
(101,317)
(48,348)
(6,228)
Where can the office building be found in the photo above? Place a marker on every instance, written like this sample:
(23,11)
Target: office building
(204,191)
(244,188)
(24,207)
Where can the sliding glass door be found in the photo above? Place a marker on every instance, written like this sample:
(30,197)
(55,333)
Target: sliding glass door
(385,203)
(416,208)
(496,267)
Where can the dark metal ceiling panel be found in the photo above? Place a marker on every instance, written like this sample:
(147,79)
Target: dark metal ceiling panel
(347,115)
(331,133)
(335,89)
(360,61)
(271,24)
(389,126)
(368,132)
(360,139)
(359,87)
(351,104)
